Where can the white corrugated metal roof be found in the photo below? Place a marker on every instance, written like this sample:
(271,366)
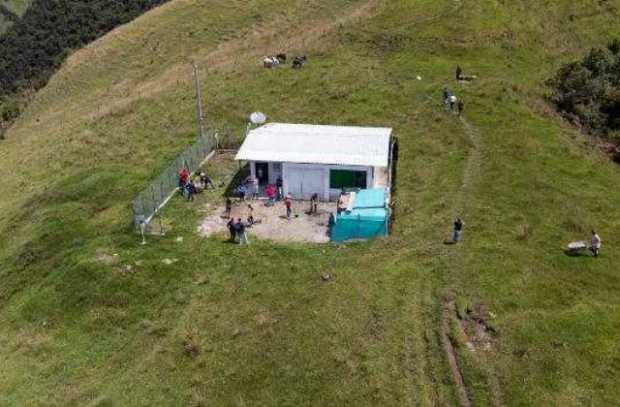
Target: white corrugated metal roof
(314,144)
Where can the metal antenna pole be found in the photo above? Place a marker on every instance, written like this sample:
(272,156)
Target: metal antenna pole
(201,118)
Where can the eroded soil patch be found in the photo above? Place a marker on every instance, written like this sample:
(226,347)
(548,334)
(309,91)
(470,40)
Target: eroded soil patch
(481,336)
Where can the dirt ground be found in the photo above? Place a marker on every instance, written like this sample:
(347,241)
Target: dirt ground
(273,224)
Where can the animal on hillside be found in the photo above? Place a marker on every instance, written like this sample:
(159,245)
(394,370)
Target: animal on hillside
(281,57)
(271,62)
(299,62)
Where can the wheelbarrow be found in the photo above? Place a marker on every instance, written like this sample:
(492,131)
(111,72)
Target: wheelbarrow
(577,248)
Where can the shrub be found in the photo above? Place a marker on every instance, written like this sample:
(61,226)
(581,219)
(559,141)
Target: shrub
(587,92)
(36,44)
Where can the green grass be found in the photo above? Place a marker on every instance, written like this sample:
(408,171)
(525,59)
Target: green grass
(76,331)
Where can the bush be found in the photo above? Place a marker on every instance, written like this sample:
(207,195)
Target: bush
(36,44)
(587,92)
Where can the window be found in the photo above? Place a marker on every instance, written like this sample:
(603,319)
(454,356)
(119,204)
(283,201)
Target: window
(341,179)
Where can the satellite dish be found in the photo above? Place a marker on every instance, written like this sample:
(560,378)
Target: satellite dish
(258,118)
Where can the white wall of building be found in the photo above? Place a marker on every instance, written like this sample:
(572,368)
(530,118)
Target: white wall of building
(304,180)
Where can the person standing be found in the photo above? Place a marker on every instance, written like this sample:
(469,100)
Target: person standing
(279,187)
(190,189)
(288,203)
(255,188)
(458,230)
(250,215)
(453,102)
(314,204)
(459,73)
(228,207)
(459,107)
(242,190)
(231,229)
(595,243)
(242,233)
(183,178)
(446,97)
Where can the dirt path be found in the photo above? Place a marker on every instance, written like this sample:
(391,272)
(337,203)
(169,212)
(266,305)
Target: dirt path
(448,347)
(471,173)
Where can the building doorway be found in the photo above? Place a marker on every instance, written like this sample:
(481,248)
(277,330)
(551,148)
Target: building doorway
(262,173)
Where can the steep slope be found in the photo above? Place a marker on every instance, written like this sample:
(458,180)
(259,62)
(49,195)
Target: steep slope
(76,329)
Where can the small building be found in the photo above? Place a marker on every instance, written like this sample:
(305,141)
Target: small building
(319,159)
(366,216)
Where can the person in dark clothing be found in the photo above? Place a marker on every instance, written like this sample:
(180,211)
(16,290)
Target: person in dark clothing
(279,188)
(190,190)
(232,229)
(206,181)
(459,73)
(314,204)
(446,97)
(458,230)
(459,107)
(228,207)
(241,233)
(242,190)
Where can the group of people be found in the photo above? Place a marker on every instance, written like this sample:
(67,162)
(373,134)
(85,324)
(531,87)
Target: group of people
(450,101)
(250,189)
(274,192)
(237,227)
(594,247)
(189,186)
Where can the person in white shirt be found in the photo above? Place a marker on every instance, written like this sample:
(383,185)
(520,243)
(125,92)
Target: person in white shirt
(595,243)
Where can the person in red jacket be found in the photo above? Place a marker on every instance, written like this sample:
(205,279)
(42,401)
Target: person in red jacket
(183,178)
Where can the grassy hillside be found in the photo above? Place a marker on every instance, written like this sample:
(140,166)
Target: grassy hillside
(78,328)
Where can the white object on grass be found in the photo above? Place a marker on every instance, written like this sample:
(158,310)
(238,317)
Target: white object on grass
(258,118)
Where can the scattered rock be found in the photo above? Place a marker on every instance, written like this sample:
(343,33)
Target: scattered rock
(558,344)
(202,280)
(179,239)
(108,259)
(168,262)
(326,277)
(127,269)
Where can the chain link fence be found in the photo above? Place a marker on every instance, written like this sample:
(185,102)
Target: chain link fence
(157,194)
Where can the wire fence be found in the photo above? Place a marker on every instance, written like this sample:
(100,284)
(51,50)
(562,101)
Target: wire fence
(162,188)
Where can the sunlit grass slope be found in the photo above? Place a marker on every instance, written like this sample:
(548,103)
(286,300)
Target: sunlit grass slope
(76,328)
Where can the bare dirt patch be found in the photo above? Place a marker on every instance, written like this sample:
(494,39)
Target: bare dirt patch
(273,225)
(480,335)
(449,345)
